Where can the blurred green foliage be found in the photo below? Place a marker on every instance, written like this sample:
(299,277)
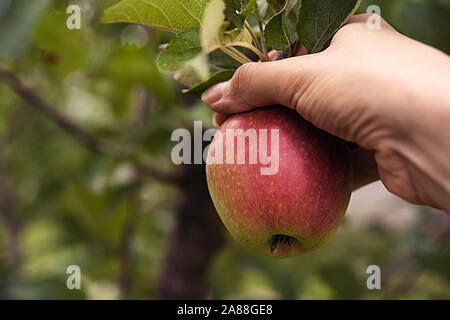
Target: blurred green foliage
(73,205)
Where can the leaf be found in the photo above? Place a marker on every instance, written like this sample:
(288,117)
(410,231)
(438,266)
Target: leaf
(184,57)
(184,47)
(16,24)
(249,9)
(212,34)
(216,78)
(233,6)
(276,33)
(318,21)
(222,61)
(186,75)
(213,21)
(66,47)
(236,38)
(237,18)
(170,15)
(129,65)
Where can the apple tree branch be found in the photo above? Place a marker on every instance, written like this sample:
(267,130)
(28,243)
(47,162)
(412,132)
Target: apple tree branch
(73,129)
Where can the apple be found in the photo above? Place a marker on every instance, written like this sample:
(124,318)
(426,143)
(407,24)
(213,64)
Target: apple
(299,206)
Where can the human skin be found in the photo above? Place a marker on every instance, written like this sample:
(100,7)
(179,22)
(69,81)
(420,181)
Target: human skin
(298,205)
(379,89)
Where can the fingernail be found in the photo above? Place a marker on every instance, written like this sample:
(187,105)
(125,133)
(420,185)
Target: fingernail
(214,94)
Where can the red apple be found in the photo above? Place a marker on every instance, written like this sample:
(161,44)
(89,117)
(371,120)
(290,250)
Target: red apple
(294,210)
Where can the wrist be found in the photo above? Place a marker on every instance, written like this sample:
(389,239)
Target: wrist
(425,146)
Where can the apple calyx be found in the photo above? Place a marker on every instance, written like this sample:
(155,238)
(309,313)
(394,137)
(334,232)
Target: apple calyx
(279,239)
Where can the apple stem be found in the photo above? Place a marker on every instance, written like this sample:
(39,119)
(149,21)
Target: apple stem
(277,239)
(275,243)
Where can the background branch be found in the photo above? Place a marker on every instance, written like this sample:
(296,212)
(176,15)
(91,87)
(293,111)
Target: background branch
(126,249)
(73,129)
(38,103)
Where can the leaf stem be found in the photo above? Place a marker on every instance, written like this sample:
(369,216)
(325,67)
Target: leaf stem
(257,52)
(252,33)
(235,56)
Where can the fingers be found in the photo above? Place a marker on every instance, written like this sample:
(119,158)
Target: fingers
(258,85)
(364,19)
(220,118)
(301,51)
(253,84)
(364,168)
(272,54)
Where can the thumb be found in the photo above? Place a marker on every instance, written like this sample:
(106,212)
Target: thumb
(257,85)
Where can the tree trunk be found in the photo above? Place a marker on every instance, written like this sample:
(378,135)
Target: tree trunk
(10,216)
(196,237)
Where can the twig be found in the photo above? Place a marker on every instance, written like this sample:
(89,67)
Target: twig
(296,47)
(83,137)
(439,237)
(253,35)
(261,35)
(140,114)
(233,55)
(254,50)
(158,174)
(50,112)
(195,240)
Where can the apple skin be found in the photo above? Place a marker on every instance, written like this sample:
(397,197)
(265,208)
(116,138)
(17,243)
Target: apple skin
(299,208)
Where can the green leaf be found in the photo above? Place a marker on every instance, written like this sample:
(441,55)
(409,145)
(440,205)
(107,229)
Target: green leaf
(249,9)
(213,22)
(233,6)
(129,65)
(170,15)
(222,61)
(236,38)
(184,47)
(276,33)
(212,34)
(66,46)
(216,78)
(185,58)
(236,18)
(16,25)
(318,21)
(193,71)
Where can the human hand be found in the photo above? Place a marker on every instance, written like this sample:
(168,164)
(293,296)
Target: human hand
(377,88)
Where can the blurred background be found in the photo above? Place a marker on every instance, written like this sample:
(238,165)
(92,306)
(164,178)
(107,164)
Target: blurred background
(86,178)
